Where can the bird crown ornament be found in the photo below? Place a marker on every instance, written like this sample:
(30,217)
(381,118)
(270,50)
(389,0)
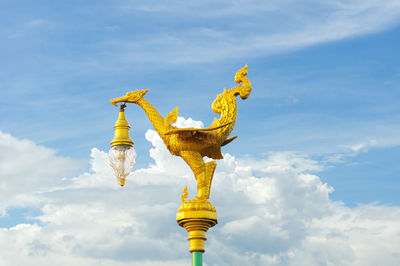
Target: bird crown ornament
(191,144)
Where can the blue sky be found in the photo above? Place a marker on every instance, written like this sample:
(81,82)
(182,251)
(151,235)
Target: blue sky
(325,81)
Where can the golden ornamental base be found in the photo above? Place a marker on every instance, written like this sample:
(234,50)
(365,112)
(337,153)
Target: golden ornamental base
(197,216)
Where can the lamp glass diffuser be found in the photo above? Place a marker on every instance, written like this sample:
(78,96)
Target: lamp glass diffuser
(122,158)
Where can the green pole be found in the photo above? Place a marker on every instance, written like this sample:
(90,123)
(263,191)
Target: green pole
(197,258)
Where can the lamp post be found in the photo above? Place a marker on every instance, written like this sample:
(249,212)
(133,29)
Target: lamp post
(191,144)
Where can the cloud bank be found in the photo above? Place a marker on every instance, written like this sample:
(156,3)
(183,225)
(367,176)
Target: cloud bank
(272,211)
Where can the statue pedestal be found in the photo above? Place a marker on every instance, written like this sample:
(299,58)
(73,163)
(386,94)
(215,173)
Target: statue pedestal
(197,216)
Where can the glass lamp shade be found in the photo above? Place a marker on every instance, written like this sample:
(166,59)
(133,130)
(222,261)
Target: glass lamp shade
(122,158)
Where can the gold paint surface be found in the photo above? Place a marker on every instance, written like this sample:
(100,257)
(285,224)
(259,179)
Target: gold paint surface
(192,144)
(197,228)
(121,131)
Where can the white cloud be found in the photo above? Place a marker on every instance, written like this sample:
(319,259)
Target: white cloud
(274,211)
(27,168)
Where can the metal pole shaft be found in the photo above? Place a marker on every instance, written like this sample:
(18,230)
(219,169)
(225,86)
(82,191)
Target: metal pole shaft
(197,258)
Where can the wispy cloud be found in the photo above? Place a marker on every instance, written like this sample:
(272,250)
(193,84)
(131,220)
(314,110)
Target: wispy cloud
(248,29)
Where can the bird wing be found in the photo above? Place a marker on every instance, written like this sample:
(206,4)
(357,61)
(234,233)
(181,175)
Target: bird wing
(227,141)
(205,135)
(194,130)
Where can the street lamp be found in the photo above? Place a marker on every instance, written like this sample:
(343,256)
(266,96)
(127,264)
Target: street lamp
(191,144)
(122,155)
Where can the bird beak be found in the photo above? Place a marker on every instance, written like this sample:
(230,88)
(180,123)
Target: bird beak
(118,100)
